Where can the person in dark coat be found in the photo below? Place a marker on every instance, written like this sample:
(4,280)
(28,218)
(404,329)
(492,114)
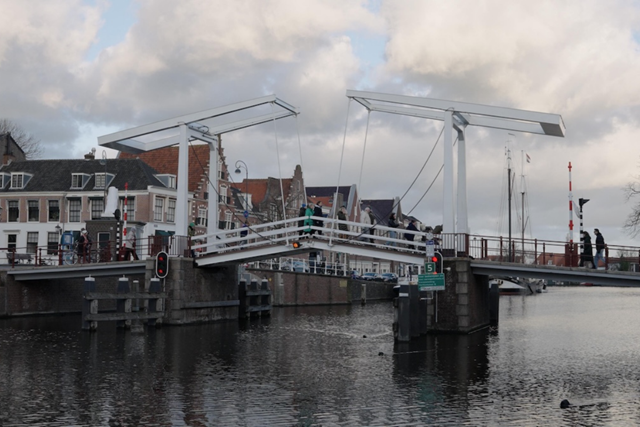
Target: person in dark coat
(342,216)
(392,223)
(302,212)
(409,236)
(599,248)
(317,212)
(587,251)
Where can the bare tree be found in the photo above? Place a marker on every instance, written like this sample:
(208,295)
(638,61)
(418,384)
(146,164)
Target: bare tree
(30,144)
(632,224)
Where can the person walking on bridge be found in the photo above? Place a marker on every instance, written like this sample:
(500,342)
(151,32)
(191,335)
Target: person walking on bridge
(599,249)
(587,251)
(411,236)
(308,222)
(302,212)
(317,213)
(342,216)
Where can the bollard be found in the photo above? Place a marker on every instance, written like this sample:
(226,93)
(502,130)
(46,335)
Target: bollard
(155,304)
(242,296)
(424,299)
(404,314)
(363,294)
(89,306)
(494,304)
(414,302)
(136,302)
(265,298)
(123,305)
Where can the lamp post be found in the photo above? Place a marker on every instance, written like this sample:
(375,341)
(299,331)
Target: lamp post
(240,164)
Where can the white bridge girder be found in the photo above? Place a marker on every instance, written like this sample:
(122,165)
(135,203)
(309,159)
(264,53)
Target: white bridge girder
(180,130)
(457,116)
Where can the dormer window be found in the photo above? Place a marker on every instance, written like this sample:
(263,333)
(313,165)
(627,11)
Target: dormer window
(19,180)
(167,179)
(5,178)
(79,180)
(103,180)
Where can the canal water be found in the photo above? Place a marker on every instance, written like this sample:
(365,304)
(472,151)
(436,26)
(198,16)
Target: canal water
(334,366)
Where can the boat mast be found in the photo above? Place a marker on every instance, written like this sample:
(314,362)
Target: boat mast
(524,220)
(509,198)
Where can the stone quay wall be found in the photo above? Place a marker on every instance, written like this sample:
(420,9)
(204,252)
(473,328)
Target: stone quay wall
(291,289)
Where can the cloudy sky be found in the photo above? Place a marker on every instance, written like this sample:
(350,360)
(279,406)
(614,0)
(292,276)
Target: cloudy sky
(73,70)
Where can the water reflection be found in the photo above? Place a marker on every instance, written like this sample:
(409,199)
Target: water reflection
(332,366)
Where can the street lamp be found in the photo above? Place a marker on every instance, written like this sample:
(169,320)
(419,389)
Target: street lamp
(240,164)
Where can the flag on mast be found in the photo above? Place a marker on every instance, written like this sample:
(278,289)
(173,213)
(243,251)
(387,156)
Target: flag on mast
(528,159)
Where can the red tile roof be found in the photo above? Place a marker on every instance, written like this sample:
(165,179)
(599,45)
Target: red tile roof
(165,160)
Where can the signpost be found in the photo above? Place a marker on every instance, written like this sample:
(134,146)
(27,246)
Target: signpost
(431,282)
(430,247)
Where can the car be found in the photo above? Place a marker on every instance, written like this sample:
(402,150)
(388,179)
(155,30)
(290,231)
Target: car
(389,277)
(296,266)
(371,276)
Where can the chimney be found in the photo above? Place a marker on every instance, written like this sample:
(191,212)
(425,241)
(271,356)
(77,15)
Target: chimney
(91,155)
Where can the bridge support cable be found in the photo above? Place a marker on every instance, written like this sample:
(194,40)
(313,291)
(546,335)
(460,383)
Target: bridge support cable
(344,141)
(364,149)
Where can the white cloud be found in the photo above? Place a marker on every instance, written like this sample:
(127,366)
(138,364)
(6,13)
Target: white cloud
(579,59)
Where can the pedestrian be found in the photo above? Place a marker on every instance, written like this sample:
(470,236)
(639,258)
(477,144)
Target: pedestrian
(392,223)
(343,227)
(368,219)
(411,236)
(244,232)
(84,247)
(130,248)
(317,213)
(599,249)
(191,231)
(586,258)
(301,213)
(308,222)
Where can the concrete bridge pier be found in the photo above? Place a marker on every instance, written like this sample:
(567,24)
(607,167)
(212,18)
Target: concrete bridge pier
(463,307)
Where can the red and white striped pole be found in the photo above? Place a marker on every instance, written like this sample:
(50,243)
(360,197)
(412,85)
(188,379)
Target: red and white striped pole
(570,209)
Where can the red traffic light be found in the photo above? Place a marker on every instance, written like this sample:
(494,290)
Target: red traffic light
(296,245)
(162,264)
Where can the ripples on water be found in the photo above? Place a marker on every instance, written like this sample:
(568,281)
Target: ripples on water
(333,366)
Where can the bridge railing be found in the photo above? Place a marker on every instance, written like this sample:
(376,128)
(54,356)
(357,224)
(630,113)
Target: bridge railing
(548,252)
(99,251)
(285,232)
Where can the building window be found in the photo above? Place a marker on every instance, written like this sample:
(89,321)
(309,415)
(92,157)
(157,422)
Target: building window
(158,211)
(228,217)
(202,217)
(273,212)
(17,180)
(171,211)
(131,208)
(32,242)
(97,208)
(14,211)
(52,243)
(33,210)
(75,207)
(100,180)
(54,210)
(12,239)
(76,180)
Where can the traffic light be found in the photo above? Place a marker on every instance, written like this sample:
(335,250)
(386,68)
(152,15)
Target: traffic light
(437,260)
(296,245)
(162,265)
